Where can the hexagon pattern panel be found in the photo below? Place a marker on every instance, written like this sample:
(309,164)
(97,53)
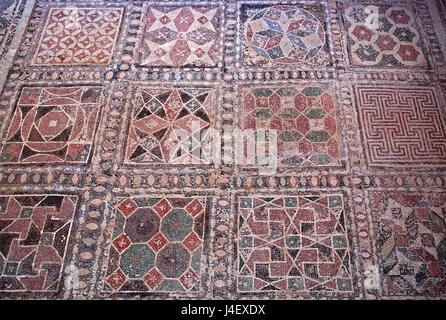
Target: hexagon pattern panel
(158,245)
(293,244)
(305,120)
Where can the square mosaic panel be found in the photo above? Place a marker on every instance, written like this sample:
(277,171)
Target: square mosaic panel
(171,126)
(383,36)
(157,246)
(79,36)
(34,233)
(281,35)
(402,127)
(411,240)
(53,125)
(293,244)
(305,119)
(181,36)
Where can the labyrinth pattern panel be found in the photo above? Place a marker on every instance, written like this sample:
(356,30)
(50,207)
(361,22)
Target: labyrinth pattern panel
(222,150)
(402,126)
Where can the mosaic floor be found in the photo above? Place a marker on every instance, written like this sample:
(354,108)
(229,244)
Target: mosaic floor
(131,167)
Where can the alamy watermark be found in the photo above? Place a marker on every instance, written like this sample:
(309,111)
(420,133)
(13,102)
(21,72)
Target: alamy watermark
(249,148)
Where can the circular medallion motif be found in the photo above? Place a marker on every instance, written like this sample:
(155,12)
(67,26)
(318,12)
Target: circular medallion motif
(285,34)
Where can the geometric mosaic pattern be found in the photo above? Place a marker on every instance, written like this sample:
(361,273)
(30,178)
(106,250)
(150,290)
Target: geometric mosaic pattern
(157,244)
(53,125)
(180,36)
(411,231)
(305,119)
(170,126)
(284,35)
(122,175)
(34,234)
(402,126)
(383,36)
(79,36)
(293,243)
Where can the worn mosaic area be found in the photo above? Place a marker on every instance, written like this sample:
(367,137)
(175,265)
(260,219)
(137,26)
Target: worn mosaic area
(410,237)
(130,149)
(391,39)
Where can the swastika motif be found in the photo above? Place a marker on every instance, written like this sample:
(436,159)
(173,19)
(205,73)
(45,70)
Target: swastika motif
(293,244)
(34,233)
(402,126)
